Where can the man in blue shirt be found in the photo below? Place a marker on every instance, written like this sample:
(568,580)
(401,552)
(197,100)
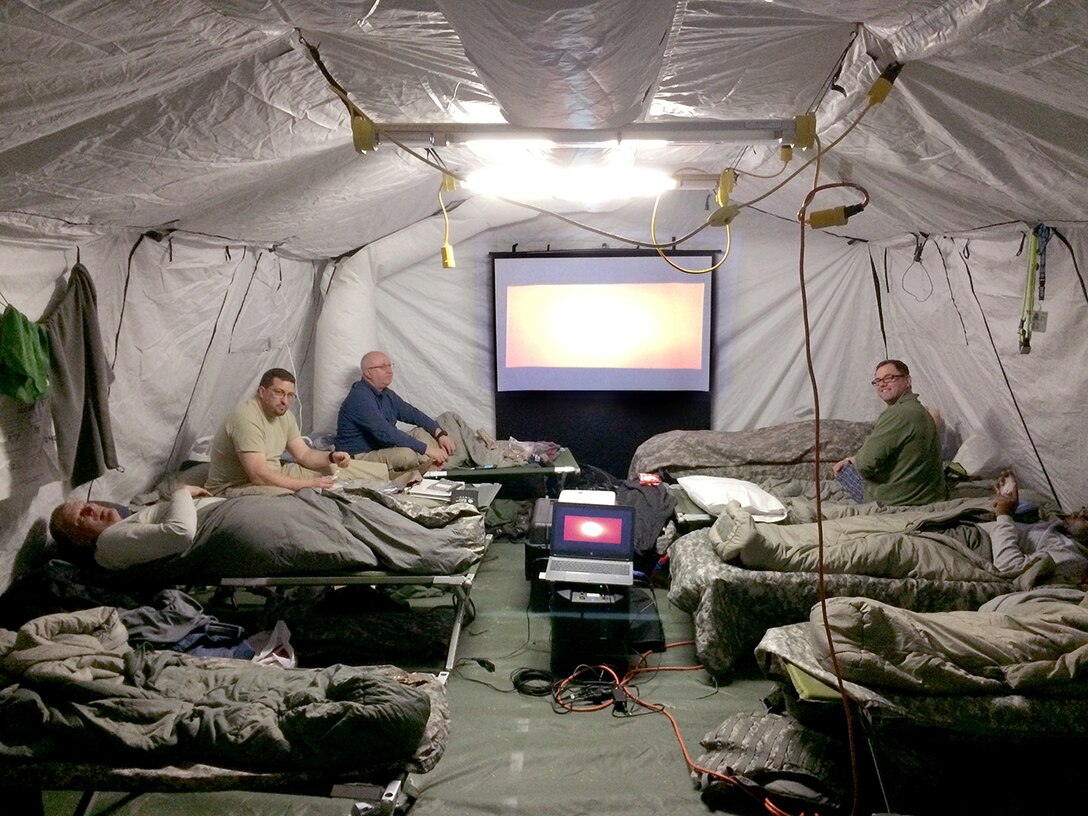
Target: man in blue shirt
(367,425)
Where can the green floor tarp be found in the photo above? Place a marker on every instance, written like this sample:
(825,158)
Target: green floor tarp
(512,754)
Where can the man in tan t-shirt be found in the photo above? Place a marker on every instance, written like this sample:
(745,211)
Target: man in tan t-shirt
(246,451)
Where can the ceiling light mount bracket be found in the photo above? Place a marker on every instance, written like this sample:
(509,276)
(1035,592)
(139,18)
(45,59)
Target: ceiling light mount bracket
(688,131)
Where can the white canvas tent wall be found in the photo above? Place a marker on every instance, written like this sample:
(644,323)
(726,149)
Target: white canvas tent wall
(211,127)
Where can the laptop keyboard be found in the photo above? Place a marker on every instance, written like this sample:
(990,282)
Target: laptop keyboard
(594,567)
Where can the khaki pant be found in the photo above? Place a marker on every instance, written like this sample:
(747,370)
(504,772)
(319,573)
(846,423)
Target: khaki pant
(355,469)
(401,460)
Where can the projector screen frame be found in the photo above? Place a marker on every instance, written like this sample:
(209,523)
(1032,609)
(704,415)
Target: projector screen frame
(577,378)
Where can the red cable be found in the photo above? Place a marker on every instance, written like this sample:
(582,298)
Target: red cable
(640,668)
(821,589)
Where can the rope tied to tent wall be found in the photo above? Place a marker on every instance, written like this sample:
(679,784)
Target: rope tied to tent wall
(1073,256)
(156,235)
(124,296)
(879,301)
(964,255)
(951,293)
(200,371)
(920,240)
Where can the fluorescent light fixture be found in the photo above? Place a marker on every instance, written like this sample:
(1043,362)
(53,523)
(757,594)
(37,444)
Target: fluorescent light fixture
(582,183)
(509,145)
(689,131)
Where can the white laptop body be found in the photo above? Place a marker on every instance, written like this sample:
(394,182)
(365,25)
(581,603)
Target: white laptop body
(588,496)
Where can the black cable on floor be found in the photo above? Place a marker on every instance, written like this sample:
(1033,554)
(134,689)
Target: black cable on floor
(532,682)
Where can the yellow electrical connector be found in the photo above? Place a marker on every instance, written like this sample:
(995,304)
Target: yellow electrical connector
(723,216)
(821,219)
(804,130)
(882,86)
(726,181)
(835,217)
(786,153)
(879,91)
(448,183)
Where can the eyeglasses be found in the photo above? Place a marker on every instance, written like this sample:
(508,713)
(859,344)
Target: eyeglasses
(383,365)
(887,379)
(279,393)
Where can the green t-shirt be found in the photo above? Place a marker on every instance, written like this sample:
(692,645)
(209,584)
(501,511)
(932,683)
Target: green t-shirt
(248,430)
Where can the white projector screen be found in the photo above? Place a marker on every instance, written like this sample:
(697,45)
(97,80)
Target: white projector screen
(622,322)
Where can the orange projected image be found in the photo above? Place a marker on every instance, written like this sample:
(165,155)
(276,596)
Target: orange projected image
(593,529)
(634,325)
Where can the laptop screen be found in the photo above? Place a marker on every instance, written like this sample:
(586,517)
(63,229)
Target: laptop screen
(593,531)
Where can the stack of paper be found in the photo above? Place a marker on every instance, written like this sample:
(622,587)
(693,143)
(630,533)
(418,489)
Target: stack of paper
(434,489)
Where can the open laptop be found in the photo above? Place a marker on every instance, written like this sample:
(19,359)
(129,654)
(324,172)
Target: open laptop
(592,544)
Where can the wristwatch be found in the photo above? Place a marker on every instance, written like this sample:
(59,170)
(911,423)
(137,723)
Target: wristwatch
(439,434)
(331,455)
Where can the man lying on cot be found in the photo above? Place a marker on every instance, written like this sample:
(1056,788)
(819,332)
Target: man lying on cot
(957,540)
(1065,541)
(192,537)
(117,542)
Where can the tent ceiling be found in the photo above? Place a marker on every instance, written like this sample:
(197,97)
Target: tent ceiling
(211,118)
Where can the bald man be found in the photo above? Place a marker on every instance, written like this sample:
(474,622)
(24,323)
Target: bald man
(367,424)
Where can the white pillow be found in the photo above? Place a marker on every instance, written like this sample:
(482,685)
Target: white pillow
(712,493)
(980,455)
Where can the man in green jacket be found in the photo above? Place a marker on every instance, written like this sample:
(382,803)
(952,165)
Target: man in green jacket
(900,460)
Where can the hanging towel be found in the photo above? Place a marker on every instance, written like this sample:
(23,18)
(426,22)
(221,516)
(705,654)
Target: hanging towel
(81,377)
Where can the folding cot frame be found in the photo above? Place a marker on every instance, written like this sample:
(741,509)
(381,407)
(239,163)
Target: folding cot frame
(458,585)
(1032,725)
(22,785)
(563,465)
